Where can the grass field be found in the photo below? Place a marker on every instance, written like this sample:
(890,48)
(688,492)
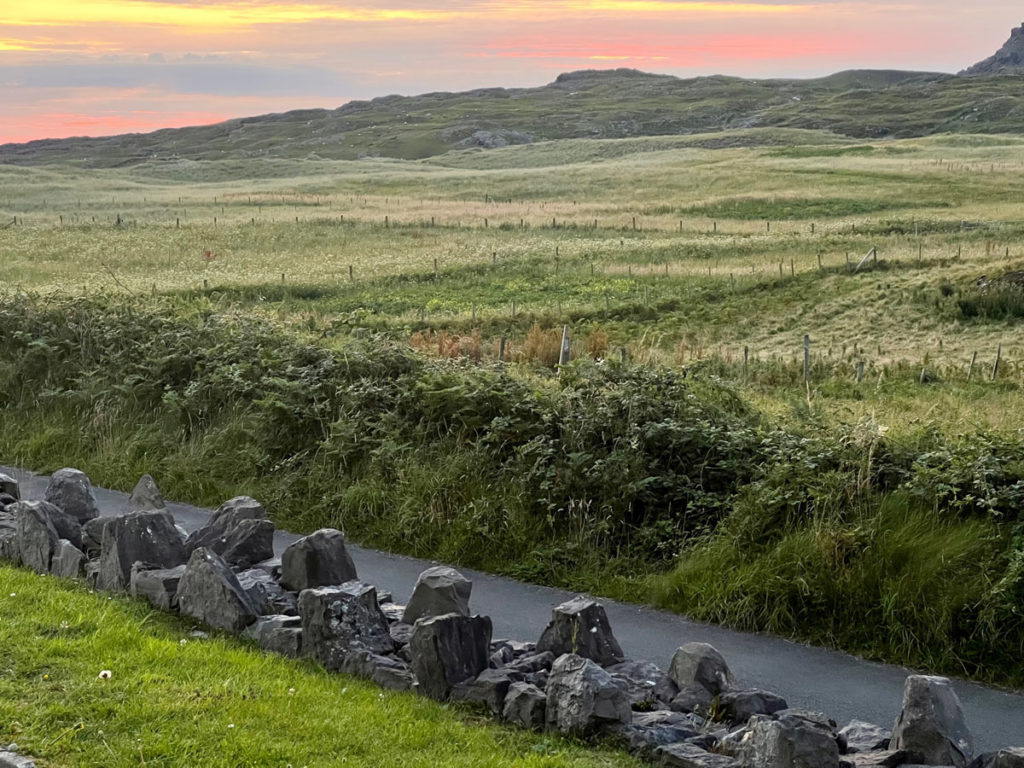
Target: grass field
(177,700)
(689,462)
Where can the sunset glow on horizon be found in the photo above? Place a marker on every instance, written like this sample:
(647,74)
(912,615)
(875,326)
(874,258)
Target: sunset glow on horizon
(100,67)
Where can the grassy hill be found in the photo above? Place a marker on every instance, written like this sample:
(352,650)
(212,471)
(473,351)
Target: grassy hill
(588,104)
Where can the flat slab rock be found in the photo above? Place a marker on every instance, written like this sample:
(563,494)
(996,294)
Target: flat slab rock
(689,756)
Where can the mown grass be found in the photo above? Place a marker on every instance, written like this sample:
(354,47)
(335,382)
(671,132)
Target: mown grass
(177,700)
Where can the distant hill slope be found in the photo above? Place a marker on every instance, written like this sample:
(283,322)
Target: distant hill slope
(587,104)
(1008,60)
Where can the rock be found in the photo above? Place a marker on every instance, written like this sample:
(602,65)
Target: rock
(278,634)
(645,684)
(146,497)
(386,671)
(525,706)
(71,491)
(650,730)
(876,759)
(37,538)
(700,663)
(9,549)
(92,572)
(1004,758)
(739,706)
(582,696)
(249,542)
(10,486)
(9,759)
(931,723)
(580,627)
(488,688)
(92,534)
(267,595)
(272,565)
(1008,60)
(865,737)
(68,561)
(439,591)
(446,650)
(690,756)
(210,592)
(693,698)
(318,560)
(794,743)
(342,620)
(64,524)
(536,662)
(214,534)
(148,537)
(393,612)
(401,633)
(158,586)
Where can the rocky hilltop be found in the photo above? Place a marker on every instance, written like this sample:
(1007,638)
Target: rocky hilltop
(1008,60)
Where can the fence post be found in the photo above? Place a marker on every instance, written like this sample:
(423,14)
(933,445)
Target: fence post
(566,352)
(746,365)
(970,370)
(501,350)
(999,357)
(807,357)
(860,371)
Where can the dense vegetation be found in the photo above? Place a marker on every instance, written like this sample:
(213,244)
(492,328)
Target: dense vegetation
(175,700)
(635,481)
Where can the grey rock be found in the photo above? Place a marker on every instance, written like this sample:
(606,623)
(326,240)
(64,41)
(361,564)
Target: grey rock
(393,612)
(650,730)
(446,650)
(386,671)
(9,547)
(865,737)
(64,524)
(664,717)
(146,497)
(580,627)
(70,490)
(209,591)
(401,633)
(343,620)
(10,759)
(536,662)
(582,696)
(92,572)
(92,534)
(272,565)
(68,561)
(36,535)
(158,586)
(266,594)
(214,534)
(693,698)
(278,634)
(796,743)
(876,759)
(645,684)
(1004,758)
(249,542)
(318,560)
(690,756)
(525,706)
(488,688)
(148,537)
(439,591)
(740,706)
(931,723)
(10,486)
(700,663)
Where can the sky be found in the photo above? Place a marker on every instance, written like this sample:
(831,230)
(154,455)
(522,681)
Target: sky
(101,67)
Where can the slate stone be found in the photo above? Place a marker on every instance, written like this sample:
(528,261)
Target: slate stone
(644,683)
(1004,758)
(267,595)
(14,760)
(582,696)
(92,534)
(488,688)
(68,561)
(401,633)
(580,627)
(446,650)
(148,537)
(876,759)
(650,730)
(214,534)
(693,698)
(248,542)
(158,586)
(865,737)
(146,497)
(739,706)
(37,537)
(339,621)
(210,592)
(525,706)
(278,634)
(439,591)
(536,662)
(10,486)
(70,490)
(386,671)
(795,743)
(318,560)
(690,756)
(931,723)
(700,663)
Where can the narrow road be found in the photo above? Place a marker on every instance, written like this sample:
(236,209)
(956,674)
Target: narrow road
(842,686)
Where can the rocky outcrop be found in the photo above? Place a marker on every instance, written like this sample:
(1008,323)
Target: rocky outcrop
(1008,60)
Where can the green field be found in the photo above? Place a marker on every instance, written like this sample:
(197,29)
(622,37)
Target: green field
(324,335)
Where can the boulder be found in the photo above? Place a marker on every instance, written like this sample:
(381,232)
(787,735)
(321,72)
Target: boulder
(739,706)
(266,594)
(339,621)
(248,542)
(37,538)
(645,684)
(525,706)
(650,730)
(882,758)
(214,534)
(931,723)
(70,490)
(401,633)
(158,586)
(446,650)
(11,759)
(581,696)
(488,688)
(9,549)
(691,756)
(1004,758)
(535,662)
(318,560)
(146,497)
(9,486)
(439,591)
(68,561)
(278,634)
(790,743)
(147,537)
(92,534)
(386,671)
(693,698)
(700,663)
(64,524)
(580,627)
(210,592)
(865,737)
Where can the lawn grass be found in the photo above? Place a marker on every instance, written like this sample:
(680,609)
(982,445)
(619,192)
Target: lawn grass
(177,700)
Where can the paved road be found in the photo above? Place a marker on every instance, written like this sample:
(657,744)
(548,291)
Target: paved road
(840,685)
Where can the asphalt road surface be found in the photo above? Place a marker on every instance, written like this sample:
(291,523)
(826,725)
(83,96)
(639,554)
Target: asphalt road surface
(842,686)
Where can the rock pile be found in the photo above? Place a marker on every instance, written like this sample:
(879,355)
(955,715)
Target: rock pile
(575,679)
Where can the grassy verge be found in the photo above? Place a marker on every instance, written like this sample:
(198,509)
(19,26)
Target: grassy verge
(175,700)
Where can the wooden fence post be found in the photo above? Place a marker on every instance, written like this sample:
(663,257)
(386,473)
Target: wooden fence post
(807,357)
(565,353)
(999,357)
(970,370)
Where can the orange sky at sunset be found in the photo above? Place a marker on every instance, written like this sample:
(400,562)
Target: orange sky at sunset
(96,67)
